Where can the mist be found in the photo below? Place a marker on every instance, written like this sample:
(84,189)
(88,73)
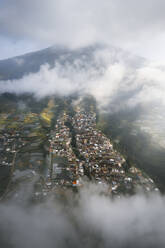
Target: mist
(118,81)
(109,76)
(137,26)
(88,218)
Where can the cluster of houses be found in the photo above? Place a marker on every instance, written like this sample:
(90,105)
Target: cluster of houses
(102,163)
(7,147)
(19,135)
(91,154)
(65,168)
(95,157)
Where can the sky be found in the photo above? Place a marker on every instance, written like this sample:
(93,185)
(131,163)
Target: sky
(136,26)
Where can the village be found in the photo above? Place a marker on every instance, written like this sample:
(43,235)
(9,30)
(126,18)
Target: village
(64,167)
(66,154)
(102,163)
(20,146)
(90,156)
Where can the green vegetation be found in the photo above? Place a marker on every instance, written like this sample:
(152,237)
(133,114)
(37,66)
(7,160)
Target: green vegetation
(137,149)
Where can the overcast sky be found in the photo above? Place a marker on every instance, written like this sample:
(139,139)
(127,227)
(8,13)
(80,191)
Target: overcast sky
(135,25)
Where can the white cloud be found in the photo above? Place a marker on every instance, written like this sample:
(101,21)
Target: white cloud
(110,77)
(134,25)
(117,81)
(90,219)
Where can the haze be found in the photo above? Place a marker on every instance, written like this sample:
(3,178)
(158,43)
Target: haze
(137,26)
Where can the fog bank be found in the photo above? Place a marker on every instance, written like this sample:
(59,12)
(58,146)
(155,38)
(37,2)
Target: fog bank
(87,219)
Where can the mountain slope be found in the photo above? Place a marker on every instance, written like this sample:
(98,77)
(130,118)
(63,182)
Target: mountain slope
(16,67)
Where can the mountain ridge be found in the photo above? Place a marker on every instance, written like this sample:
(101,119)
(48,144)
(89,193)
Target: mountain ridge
(19,66)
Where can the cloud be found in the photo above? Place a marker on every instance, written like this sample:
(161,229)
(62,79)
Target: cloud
(113,77)
(118,81)
(88,219)
(100,77)
(45,83)
(134,25)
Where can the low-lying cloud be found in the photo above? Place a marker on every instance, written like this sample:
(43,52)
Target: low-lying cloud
(110,77)
(116,79)
(87,219)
